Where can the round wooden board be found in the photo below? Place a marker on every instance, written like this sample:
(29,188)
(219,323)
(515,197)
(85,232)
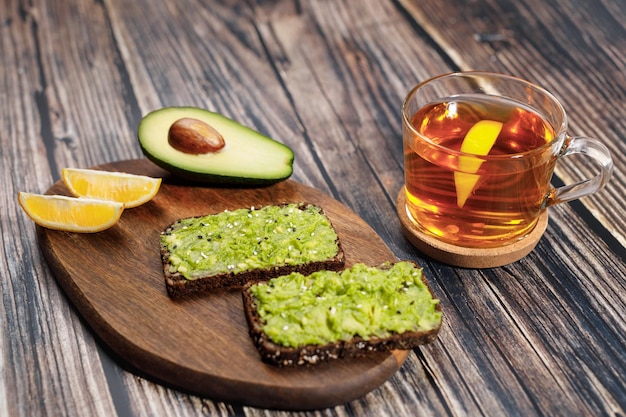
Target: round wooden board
(115,280)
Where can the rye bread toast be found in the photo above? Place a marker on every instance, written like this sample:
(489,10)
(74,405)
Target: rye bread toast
(271,241)
(278,354)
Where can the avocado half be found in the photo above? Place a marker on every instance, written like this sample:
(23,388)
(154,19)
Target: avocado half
(247,158)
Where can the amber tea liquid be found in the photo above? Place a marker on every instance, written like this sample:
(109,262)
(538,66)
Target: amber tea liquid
(502,201)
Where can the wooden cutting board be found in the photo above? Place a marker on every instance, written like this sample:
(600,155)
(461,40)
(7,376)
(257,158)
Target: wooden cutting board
(201,345)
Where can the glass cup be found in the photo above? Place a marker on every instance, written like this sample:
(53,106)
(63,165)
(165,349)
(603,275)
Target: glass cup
(479,153)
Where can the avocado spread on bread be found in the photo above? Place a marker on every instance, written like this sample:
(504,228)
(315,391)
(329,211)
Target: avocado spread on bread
(329,306)
(247,239)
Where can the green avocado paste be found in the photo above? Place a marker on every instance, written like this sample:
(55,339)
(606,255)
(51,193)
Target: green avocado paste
(247,239)
(329,306)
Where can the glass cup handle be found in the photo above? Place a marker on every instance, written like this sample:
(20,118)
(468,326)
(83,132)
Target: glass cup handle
(595,150)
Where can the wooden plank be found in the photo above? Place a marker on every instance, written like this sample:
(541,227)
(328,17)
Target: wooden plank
(43,343)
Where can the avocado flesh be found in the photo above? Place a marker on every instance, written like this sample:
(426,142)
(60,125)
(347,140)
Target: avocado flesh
(331,306)
(247,239)
(247,158)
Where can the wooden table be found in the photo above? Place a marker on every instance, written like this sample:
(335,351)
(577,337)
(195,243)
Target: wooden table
(543,336)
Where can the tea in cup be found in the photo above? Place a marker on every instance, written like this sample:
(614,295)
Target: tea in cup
(479,153)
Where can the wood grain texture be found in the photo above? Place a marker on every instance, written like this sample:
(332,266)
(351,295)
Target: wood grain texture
(543,336)
(201,344)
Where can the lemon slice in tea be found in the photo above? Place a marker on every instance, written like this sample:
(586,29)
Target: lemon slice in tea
(70,214)
(478,141)
(132,190)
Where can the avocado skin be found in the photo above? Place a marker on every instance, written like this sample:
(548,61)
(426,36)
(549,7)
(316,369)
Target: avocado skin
(210,176)
(213,179)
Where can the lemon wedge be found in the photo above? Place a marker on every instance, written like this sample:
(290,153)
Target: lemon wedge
(130,189)
(70,214)
(478,141)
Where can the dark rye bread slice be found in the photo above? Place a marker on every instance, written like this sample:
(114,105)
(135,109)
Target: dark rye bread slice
(282,356)
(178,285)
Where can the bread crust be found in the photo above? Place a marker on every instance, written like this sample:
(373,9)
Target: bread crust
(179,286)
(282,356)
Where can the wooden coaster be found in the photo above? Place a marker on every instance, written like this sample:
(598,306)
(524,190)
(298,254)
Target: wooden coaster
(468,257)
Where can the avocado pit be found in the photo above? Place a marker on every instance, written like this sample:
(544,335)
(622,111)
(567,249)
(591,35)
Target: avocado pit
(195,137)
